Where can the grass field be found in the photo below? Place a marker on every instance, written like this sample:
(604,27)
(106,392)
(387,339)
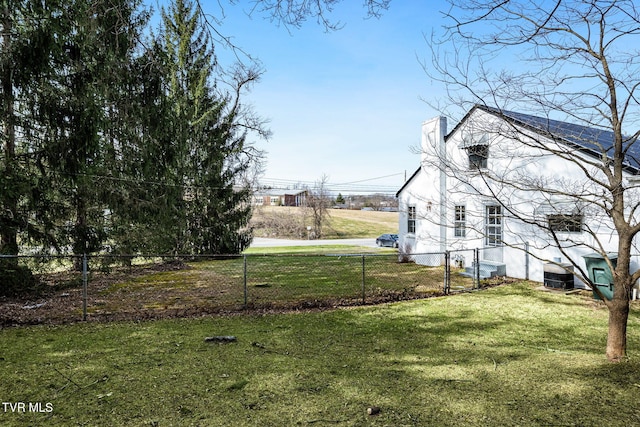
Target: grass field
(340,223)
(506,356)
(346,223)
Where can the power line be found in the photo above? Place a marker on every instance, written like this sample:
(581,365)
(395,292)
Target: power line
(357,186)
(265,184)
(371,179)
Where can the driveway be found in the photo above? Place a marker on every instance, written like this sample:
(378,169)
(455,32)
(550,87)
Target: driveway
(262,242)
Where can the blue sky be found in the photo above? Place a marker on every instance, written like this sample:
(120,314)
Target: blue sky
(346,104)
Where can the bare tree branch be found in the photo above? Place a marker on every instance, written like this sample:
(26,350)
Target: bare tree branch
(569,61)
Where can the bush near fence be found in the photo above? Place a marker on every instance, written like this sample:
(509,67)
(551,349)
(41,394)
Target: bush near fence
(147,287)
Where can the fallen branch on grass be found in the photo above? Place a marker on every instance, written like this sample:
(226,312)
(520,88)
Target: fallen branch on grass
(266,350)
(221,339)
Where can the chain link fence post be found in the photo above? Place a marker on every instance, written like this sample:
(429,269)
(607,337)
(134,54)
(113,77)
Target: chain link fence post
(476,268)
(246,293)
(526,260)
(363,280)
(447,272)
(84,287)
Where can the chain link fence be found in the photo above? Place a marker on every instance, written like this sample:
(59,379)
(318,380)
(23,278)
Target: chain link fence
(108,287)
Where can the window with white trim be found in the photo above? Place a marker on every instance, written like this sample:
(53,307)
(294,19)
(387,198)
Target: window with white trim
(460,221)
(411,219)
(478,156)
(562,215)
(493,226)
(568,223)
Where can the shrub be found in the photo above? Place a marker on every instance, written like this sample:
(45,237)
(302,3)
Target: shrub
(404,253)
(15,279)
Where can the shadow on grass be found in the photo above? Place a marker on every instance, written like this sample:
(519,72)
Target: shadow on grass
(479,365)
(506,356)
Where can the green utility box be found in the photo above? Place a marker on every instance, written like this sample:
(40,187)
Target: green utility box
(600,273)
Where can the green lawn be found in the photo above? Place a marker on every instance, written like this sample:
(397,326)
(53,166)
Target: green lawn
(272,278)
(275,280)
(507,356)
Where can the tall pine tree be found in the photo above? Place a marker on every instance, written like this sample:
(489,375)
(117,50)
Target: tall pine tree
(31,32)
(138,216)
(9,176)
(96,41)
(107,141)
(25,42)
(209,207)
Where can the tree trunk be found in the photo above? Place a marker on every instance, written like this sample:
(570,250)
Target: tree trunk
(619,305)
(617,336)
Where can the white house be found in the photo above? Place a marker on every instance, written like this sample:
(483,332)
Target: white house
(505,183)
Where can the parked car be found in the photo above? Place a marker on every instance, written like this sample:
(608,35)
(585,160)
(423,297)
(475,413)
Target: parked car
(388,240)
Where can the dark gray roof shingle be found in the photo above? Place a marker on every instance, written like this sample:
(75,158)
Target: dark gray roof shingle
(589,140)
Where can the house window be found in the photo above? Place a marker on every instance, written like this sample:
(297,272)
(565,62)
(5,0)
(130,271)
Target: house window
(565,223)
(493,226)
(460,222)
(411,219)
(478,156)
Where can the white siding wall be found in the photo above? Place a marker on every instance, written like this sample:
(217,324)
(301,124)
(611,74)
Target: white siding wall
(422,194)
(515,161)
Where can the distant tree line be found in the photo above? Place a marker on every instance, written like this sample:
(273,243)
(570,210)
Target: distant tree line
(116,135)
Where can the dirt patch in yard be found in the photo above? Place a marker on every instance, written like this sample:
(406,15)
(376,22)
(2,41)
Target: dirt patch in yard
(59,296)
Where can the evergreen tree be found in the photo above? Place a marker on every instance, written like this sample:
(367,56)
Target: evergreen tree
(96,41)
(209,208)
(139,215)
(105,142)
(25,41)
(9,175)
(31,34)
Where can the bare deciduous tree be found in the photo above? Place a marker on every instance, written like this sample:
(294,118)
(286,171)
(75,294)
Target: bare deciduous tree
(317,203)
(574,61)
(296,12)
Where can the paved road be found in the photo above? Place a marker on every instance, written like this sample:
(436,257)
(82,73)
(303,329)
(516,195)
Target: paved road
(261,242)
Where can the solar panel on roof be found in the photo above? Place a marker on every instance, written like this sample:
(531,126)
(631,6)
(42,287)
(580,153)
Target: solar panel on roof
(592,140)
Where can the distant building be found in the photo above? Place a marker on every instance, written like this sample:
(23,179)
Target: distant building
(279,198)
(265,199)
(296,199)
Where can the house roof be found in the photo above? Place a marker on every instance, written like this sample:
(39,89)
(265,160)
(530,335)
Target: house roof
(589,140)
(408,181)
